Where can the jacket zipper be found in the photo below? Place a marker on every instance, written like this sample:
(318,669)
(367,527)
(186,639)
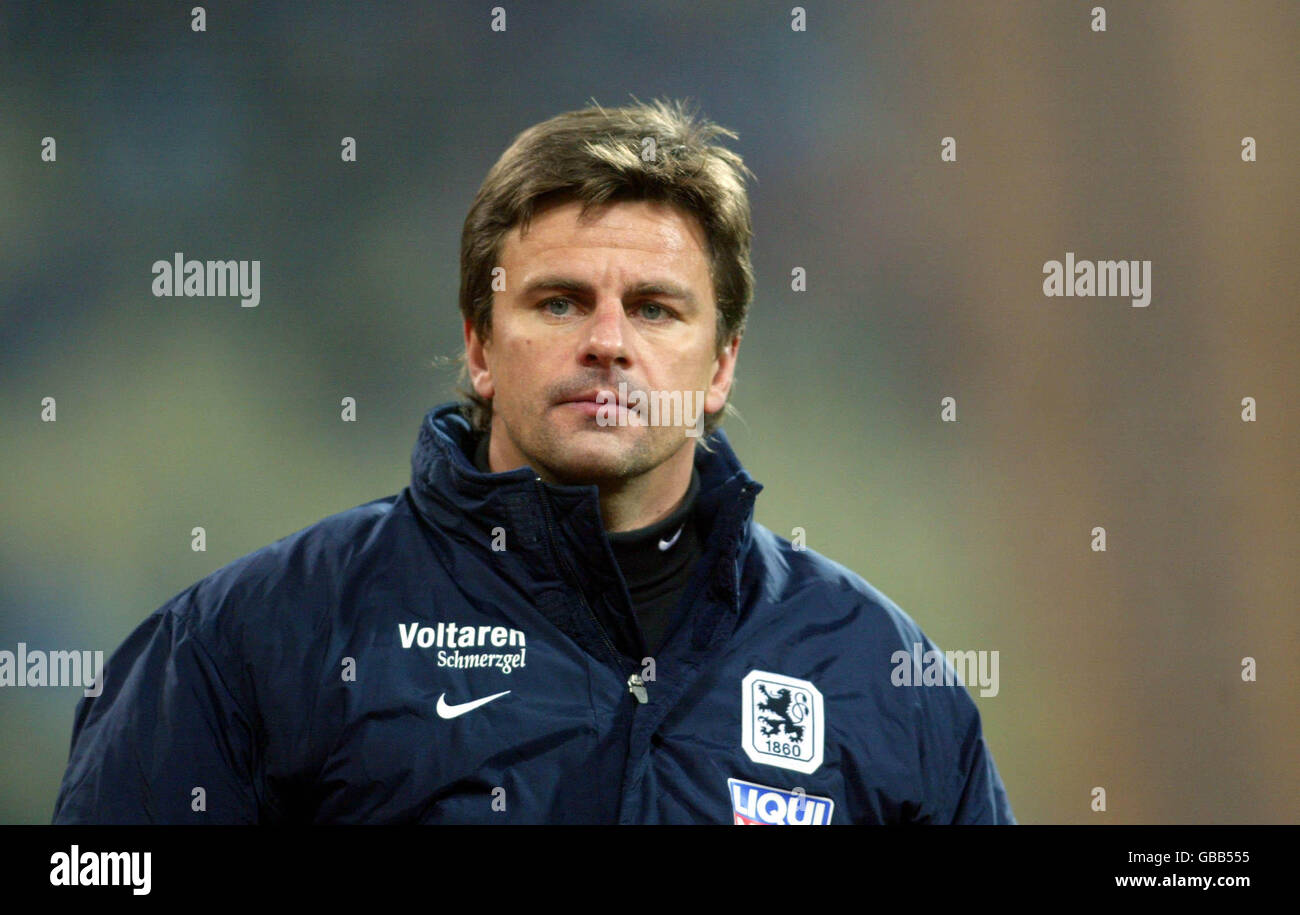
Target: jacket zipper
(635,686)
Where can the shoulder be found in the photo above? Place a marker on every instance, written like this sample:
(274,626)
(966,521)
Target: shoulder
(795,576)
(828,619)
(286,587)
(832,617)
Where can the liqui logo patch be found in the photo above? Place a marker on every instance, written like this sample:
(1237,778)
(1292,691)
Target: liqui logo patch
(762,805)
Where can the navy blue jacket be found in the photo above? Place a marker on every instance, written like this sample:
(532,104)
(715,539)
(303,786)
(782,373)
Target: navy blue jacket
(439,656)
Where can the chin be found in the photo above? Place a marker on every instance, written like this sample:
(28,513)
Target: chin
(580,464)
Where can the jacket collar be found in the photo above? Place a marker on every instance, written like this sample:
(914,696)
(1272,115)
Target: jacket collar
(449,492)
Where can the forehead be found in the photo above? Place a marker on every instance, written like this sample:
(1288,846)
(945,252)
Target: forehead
(651,232)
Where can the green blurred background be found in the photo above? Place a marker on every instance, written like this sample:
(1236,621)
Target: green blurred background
(1118,669)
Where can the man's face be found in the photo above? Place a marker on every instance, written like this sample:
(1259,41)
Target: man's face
(624,296)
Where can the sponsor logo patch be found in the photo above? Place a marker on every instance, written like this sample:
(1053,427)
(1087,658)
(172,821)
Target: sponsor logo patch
(763,805)
(783,723)
(457,637)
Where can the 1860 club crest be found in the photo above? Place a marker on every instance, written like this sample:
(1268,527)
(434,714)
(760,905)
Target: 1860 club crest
(784,724)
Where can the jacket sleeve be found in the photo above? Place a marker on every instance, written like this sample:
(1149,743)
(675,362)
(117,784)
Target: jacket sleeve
(979,796)
(960,780)
(166,741)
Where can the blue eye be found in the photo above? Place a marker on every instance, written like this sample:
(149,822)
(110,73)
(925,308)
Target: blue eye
(559,306)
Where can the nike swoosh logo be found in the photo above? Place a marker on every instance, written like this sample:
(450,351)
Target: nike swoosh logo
(455,711)
(665,544)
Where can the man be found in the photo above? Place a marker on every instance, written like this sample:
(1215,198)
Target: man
(569,615)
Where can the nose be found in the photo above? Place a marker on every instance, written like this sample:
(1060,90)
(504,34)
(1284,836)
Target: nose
(606,344)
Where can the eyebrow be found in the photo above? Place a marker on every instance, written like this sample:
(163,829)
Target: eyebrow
(569,284)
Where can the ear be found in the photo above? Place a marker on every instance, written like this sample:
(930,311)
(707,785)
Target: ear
(724,368)
(480,376)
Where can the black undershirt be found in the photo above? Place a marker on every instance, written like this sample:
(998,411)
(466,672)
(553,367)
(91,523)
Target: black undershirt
(656,562)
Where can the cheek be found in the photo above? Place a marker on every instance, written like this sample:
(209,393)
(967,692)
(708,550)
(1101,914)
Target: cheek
(518,352)
(522,365)
(700,370)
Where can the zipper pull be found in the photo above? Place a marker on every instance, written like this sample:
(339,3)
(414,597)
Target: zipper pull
(636,686)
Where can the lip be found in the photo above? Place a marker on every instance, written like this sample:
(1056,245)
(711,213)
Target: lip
(611,397)
(588,407)
(586,404)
